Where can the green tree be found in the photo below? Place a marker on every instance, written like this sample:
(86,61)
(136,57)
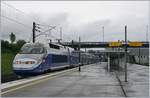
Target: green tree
(4,43)
(12,37)
(19,44)
(5,46)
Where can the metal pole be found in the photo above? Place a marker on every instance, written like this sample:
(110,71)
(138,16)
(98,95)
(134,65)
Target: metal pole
(79,55)
(118,59)
(72,43)
(60,33)
(103,33)
(33,30)
(139,56)
(147,33)
(125,53)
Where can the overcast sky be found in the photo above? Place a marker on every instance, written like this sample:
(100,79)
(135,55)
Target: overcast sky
(77,18)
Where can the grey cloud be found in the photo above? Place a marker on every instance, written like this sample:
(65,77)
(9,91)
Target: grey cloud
(23,32)
(58,19)
(91,31)
(20,31)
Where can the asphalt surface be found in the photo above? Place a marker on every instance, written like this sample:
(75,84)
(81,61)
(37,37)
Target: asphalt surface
(92,81)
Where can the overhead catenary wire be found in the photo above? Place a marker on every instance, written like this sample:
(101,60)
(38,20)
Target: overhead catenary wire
(41,33)
(41,25)
(10,6)
(15,21)
(13,7)
(46,25)
(45,32)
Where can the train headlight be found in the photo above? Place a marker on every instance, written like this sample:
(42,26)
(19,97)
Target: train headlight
(24,62)
(30,62)
(17,62)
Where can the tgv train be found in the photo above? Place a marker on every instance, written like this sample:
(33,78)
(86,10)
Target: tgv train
(37,58)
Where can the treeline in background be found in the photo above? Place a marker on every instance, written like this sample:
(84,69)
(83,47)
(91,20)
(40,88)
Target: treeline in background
(8,51)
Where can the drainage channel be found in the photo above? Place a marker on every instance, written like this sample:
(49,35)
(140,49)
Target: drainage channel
(120,83)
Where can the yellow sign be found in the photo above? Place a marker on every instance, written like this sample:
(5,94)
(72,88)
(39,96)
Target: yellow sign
(135,44)
(115,44)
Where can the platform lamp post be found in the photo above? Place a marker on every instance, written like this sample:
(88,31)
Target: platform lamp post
(125,54)
(103,32)
(33,32)
(79,54)
(147,33)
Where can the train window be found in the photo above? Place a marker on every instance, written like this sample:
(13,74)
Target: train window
(31,49)
(37,50)
(54,46)
(59,58)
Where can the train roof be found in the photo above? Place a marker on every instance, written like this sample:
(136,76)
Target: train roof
(35,44)
(50,45)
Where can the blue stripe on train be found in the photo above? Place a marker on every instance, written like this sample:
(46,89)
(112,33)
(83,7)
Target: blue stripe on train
(50,62)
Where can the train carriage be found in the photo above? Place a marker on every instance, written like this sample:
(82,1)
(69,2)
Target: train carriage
(37,58)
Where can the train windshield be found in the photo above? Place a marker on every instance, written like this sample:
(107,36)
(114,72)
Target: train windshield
(30,49)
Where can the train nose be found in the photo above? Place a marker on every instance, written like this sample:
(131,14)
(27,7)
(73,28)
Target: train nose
(24,63)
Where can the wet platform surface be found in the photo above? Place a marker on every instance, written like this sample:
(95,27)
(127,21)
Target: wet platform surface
(138,81)
(92,81)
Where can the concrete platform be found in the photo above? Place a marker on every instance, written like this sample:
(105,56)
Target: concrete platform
(92,81)
(138,81)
